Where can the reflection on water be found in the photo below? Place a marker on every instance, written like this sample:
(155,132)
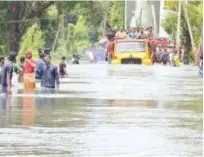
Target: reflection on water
(28,110)
(114,111)
(44,102)
(6,110)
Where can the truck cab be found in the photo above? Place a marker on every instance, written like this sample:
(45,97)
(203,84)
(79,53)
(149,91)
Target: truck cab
(130,51)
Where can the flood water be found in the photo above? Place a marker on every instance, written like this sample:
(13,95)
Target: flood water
(103,110)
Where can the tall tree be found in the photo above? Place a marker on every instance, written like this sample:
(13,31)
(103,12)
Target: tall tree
(116,14)
(195,15)
(19,15)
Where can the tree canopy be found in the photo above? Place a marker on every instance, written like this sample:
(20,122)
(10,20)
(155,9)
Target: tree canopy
(195,15)
(19,16)
(52,22)
(195,12)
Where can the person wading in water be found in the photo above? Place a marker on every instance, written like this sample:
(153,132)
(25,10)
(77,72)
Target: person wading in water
(63,66)
(7,74)
(1,67)
(29,71)
(50,77)
(39,66)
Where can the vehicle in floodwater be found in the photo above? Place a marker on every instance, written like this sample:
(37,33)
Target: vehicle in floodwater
(130,51)
(133,51)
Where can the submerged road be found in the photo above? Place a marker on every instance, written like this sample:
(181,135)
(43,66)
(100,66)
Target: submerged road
(102,110)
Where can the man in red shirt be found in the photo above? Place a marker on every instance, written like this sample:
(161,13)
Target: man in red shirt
(29,71)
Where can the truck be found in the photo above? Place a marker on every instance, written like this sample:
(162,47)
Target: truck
(134,51)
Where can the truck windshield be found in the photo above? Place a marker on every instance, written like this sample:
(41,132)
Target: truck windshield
(130,46)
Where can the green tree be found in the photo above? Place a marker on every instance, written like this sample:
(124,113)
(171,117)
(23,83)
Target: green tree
(170,25)
(195,11)
(77,36)
(18,16)
(116,14)
(70,39)
(32,40)
(195,15)
(49,25)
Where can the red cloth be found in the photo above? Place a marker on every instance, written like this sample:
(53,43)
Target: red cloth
(28,68)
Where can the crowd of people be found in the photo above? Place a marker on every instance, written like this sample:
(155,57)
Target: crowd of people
(95,53)
(168,55)
(30,71)
(174,56)
(134,33)
(160,54)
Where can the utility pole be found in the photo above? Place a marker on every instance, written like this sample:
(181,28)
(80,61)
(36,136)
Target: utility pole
(154,20)
(57,34)
(161,30)
(55,41)
(64,33)
(178,25)
(137,12)
(105,18)
(140,21)
(136,21)
(125,15)
(185,7)
(104,24)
